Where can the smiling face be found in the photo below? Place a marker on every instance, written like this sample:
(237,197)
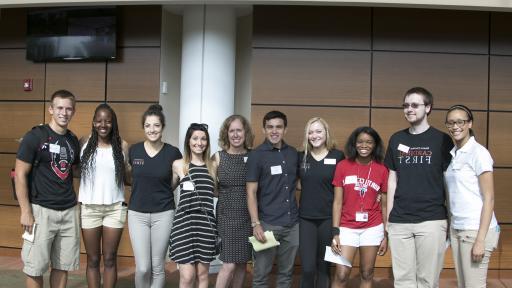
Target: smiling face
(274,131)
(317,135)
(236,134)
(61,110)
(364,145)
(153,128)
(459,132)
(415,110)
(102,123)
(198,142)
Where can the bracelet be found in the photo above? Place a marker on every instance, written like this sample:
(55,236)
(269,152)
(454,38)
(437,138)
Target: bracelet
(335,231)
(254,224)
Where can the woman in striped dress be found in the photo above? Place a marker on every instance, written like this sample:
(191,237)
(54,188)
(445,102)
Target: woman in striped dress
(192,243)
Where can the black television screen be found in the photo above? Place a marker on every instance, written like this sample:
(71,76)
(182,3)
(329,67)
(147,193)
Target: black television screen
(71,33)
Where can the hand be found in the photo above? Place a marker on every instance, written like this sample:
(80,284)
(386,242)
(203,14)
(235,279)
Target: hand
(383,248)
(258,232)
(379,197)
(27,221)
(477,252)
(335,245)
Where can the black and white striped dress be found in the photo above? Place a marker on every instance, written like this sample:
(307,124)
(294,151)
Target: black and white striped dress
(194,226)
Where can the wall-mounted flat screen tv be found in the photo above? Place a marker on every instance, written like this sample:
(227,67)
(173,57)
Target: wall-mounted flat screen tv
(71,34)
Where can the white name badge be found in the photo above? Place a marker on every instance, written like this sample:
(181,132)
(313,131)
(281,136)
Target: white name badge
(362,216)
(351,179)
(54,148)
(403,148)
(245,159)
(275,170)
(330,161)
(188,185)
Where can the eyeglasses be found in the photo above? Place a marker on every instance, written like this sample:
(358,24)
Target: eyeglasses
(459,123)
(199,126)
(412,105)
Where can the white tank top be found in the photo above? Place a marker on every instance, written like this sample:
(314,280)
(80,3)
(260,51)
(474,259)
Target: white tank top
(100,186)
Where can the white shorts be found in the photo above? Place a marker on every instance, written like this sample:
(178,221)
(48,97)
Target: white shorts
(362,237)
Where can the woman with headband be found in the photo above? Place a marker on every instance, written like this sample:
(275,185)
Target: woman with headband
(474,231)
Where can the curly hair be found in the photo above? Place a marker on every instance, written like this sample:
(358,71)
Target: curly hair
(87,161)
(350,146)
(224,137)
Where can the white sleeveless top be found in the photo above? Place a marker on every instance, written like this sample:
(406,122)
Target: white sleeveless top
(100,186)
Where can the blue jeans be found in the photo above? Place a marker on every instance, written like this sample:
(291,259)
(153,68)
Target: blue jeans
(288,237)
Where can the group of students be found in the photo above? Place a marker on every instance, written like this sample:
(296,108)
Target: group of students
(341,200)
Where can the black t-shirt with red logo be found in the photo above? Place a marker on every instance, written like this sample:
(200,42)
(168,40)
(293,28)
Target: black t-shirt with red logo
(52,185)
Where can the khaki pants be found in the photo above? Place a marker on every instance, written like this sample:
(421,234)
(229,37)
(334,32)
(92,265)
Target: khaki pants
(471,274)
(417,253)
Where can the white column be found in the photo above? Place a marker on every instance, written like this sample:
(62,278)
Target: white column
(208,68)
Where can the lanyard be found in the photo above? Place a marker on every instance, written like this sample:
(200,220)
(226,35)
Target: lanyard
(363,188)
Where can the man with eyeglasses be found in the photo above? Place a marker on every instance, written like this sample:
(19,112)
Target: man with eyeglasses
(271,181)
(417,226)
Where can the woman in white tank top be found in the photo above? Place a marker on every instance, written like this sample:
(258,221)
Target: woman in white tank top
(101,194)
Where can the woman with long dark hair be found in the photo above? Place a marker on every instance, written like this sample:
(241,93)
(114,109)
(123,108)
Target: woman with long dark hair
(474,231)
(234,223)
(103,212)
(192,243)
(357,215)
(151,208)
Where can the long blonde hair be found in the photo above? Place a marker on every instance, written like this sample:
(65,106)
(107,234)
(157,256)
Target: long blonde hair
(330,142)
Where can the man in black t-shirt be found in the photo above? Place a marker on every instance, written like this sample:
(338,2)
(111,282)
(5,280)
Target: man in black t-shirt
(417,226)
(49,215)
(271,181)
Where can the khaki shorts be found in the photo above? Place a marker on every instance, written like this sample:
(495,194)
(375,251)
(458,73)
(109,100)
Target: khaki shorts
(56,241)
(97,215)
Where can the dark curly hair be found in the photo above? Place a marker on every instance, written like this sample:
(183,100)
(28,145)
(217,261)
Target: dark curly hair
(350,146)
(87,161)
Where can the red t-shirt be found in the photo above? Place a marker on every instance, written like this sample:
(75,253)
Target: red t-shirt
(354,178)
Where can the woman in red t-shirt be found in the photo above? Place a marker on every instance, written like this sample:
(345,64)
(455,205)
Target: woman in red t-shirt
(359,214)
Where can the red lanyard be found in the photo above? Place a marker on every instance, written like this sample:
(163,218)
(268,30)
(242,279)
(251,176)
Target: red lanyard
(363,188)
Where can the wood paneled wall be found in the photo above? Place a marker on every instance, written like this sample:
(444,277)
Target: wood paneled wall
(352,65)
(129,84)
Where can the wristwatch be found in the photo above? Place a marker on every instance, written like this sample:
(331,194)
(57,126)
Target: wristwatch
(254,224)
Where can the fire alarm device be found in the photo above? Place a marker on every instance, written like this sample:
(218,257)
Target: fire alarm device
(27,85)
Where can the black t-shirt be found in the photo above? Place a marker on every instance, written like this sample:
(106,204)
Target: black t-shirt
(317,192)
(152,178)
(275,170)
(52,185)
(419,161)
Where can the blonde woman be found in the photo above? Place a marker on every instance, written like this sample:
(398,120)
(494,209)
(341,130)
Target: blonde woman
(192,243)
(317,165)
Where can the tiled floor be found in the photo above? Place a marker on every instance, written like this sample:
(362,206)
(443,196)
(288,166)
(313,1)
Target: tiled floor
(11,275)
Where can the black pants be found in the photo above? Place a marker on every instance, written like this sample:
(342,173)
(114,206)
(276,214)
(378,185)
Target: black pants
(314,235)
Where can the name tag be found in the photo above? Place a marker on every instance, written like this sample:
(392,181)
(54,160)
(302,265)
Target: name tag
(54,148)
(188,185)
(403,148)
(330,161)
(275,170)
(362,216)
(351,179)
(245,159)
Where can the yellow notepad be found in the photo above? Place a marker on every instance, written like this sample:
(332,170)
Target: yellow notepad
(258,246)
